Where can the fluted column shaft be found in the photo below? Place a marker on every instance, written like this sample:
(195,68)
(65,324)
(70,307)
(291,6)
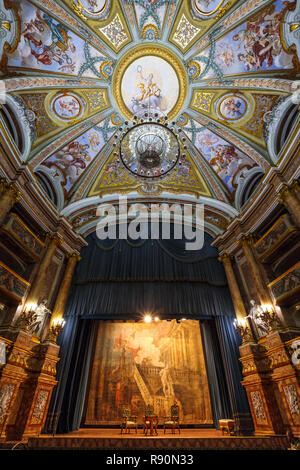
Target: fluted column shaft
(40,278)
(261,288)
(233,287)
(63,293)
(9,195)
(288,197)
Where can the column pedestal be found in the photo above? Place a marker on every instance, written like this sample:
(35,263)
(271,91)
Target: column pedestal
(26,384)
(272,381)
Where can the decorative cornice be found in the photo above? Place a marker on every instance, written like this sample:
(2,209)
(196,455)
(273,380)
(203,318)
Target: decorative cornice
(10,189)
(287,190)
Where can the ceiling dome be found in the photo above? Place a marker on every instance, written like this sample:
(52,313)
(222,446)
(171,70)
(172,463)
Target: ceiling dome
(222,71)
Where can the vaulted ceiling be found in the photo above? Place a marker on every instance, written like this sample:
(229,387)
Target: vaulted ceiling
(74,71)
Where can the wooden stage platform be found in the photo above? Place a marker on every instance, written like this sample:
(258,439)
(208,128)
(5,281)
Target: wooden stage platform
(197,439)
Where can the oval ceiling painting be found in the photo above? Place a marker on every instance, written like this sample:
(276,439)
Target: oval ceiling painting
(207,7)
(233,107)
(150,82)
(67,106)
(93,7)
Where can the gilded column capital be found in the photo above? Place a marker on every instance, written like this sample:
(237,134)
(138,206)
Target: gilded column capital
(75,257)
(53,238)
(10,189)
(249,239)
(226,258)
(288,190)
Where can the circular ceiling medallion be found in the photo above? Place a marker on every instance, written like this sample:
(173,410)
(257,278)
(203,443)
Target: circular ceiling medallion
(150,79)
(232,107)
(207,7)
(93,7)
(67,106)
(149,150)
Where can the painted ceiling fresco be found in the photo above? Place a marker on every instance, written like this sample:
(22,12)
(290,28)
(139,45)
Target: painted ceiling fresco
(75,70)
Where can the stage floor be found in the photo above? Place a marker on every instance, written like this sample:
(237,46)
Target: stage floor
(205,439)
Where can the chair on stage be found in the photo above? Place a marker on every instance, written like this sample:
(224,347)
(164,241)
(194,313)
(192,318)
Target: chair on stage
(129,421)
(148,423)
(172,422)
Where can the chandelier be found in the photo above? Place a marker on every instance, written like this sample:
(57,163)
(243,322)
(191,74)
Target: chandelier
(149,147)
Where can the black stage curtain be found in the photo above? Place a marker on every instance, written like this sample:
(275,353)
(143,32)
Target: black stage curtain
(219,395)
(125,278)
(67,402)
(229,345)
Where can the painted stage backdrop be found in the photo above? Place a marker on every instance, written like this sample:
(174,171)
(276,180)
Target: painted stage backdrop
(158,363)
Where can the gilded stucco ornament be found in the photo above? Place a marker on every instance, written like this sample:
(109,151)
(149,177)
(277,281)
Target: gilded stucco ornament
(9,27)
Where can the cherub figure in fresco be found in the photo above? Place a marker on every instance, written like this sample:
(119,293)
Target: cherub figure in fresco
(225,54)
(72,160)
(68,107)
(261,42)
(39,38)
(232,107)
(207,140)
(248,60)
(95,141)
(48,42)
(227,160)
(93,5)
(223,156)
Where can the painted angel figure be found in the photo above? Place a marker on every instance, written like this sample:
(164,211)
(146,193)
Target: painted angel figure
(93,6)
(72,160)
(148,92)
(207,140)
(233,107)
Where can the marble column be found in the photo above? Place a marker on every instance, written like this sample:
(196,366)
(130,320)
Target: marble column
(63,293)
(261,288)
(9,195)
(233,287)
(288,197)
(41,276)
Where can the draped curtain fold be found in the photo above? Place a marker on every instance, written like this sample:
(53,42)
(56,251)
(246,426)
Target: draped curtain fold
(67,402)
(115,279)
(219,395)
(229,345)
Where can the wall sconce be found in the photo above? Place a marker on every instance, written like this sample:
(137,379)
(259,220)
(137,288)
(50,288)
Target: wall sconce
(242,328)
(26,318)
(55,330)
(147,319)
(271,318)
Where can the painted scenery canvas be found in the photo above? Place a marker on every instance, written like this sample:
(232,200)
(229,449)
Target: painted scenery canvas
(136,364)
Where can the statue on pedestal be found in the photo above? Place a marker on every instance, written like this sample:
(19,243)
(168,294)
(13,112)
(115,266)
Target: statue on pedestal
(256,314)
(41,314)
